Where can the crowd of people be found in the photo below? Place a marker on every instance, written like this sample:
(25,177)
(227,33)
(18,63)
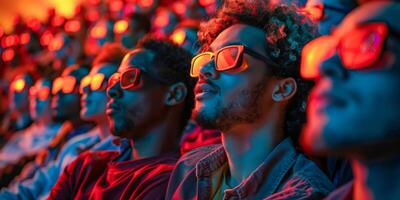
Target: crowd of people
(203,99)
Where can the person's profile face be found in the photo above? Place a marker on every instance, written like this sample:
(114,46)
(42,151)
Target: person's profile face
(234,97)
(351,111)
(94,100)
(137,107)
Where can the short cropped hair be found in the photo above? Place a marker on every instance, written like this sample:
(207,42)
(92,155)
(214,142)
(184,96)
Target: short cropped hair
(173,65)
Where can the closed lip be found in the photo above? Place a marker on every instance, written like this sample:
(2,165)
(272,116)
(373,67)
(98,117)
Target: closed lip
(112,106)
(323,99)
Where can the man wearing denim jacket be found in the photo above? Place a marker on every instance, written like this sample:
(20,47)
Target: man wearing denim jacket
(249,88)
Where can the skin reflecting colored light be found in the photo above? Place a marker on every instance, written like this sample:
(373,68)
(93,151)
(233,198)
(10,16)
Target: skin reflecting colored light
(206,2)
(25,38)
(8,55)
(121,26)
(178,37)
(98,32)
(19,85)
(73,26)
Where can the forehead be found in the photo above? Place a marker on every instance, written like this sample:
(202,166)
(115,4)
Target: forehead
(249,36)
(139,58)
(105,68)
(372,12)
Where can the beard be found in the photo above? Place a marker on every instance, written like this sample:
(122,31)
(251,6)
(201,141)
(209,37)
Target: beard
(243,109)
(123,125)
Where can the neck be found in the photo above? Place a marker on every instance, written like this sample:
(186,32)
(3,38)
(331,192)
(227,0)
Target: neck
(247,146)
(104,127)
(376,179)
(158,139)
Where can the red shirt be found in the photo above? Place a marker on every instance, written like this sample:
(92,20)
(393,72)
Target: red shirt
(95,175)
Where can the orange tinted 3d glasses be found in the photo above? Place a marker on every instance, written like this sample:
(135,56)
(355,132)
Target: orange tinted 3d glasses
(42,93)
(359,49)
(227,58)
(130,78)
(93,82)
(64,84)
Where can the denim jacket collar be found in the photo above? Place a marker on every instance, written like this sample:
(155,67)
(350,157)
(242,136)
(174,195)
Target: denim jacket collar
(268,175)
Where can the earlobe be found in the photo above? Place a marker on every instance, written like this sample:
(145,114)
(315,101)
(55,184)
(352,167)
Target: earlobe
(284,89)
(176,94)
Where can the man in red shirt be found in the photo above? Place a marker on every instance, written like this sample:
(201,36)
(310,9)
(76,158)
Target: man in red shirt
(150,103)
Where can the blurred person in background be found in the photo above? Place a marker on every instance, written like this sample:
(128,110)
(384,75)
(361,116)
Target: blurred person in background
(130,29)
(163,22)
(38,135)
(353,110)
(150,104)
(93,102)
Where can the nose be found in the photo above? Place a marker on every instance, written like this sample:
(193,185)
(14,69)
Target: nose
(114,91)
(333,68)
(208,71)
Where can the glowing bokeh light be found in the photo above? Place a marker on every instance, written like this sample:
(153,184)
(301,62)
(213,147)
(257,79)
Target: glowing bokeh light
(98,31)
(25,38)
(19,85)
(121,26)
(178,37)
(206,2)
(72,26)
(8,55)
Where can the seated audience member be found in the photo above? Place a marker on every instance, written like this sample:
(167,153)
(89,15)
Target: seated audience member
(150,104)
(249,88)
(93,102)
(354,107)
(18,117)
(185,35)
(328,13)
(38,135)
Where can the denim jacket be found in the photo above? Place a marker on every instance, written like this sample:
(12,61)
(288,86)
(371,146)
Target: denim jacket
(284,174)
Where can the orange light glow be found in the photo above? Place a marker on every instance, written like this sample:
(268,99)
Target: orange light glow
(206,2)
(145,3)
(92,15)
(121,26)
(116,6)
(161,20)
(57,21)
(47,36)
(8,55)
(73,26)
(179,7)
(25,38)
(56,44)
(315,12)
(18,85)
(98,31)
(178,37)
(10,41)
(34,24)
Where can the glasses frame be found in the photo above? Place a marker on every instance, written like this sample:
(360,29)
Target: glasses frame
(241,50)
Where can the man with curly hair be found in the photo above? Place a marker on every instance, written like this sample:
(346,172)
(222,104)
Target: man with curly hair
(150,102)
(249,88)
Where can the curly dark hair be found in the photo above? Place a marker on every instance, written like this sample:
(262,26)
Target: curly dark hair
(286,29)
(172,64)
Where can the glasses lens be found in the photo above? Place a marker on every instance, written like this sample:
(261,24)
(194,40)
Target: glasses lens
(314,53)
(69,84)
(227,58)
(363,47)
(43,93)
(129,79)
(84,83)
(19,85)
(32,91)
(57,85)
(97,82)
(199,61)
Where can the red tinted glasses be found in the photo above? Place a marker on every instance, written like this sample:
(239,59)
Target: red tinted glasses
(358,50)
(227,58)
(42,93)
(93,82)
(65,84)
(128,79)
